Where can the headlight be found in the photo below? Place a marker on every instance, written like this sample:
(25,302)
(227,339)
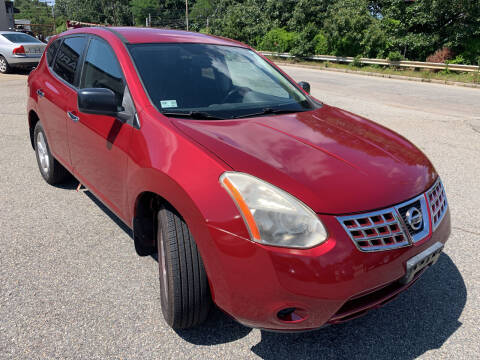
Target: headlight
(273,216)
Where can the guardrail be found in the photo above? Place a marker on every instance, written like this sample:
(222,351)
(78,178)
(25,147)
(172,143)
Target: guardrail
(385,62)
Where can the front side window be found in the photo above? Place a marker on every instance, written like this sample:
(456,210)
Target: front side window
(20,38)
(221,81)
(102,70)
(68,58)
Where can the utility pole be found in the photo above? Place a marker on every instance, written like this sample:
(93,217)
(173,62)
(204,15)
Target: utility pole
(53,16)
(149,20)
(186,12)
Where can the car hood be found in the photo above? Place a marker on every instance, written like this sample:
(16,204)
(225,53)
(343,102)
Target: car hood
(334,161)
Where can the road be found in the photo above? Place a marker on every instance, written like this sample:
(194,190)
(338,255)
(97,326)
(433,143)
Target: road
(71,285)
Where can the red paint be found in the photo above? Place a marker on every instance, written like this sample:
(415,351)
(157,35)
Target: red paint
(334,161)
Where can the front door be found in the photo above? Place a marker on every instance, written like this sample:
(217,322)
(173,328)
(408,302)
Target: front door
(99,144)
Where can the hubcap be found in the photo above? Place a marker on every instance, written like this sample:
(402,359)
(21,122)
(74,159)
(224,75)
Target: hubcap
(163,269)
(3,65)
(42,152)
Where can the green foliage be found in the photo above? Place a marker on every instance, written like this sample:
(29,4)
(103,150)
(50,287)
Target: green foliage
(141,8)
(202,9)
(351,29)
(471,51)
(370,28)
(305,46)
(307,12)
(109,12)
(357,61)
(395,56)
(321,44)
(459,59)
(417,29)
(278,40)
(38,13)
(243,21)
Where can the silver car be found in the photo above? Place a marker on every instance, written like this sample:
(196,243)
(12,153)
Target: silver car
(19,50)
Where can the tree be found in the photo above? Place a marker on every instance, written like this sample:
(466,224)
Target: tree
(109,12)
(240,20)
(421,27)
(142,8)
(305,45)
(309,12)
(39,13)
(351,29)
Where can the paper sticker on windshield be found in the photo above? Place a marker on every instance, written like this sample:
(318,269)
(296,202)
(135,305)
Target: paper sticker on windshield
(168,103)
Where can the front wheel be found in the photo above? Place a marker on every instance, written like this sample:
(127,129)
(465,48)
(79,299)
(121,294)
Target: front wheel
(184,289)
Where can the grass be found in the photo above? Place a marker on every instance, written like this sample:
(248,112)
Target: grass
(427,75)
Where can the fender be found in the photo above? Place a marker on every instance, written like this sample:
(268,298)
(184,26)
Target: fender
(154,171)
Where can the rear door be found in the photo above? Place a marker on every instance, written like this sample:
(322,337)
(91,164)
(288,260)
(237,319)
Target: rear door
(57,92)
(99,144)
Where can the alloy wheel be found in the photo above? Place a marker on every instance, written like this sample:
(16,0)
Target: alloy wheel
(42,151)
(3,65)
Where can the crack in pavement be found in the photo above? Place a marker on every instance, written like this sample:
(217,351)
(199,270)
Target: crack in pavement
(467,231)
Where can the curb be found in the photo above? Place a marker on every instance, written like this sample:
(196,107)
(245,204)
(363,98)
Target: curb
(387,76)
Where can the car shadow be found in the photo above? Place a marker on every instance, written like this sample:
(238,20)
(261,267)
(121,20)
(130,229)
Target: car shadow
(70,184)
(109,213)
(219,328)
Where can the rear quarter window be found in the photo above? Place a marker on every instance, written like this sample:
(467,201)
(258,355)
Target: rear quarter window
(20,38)
(68,58)
(52,50)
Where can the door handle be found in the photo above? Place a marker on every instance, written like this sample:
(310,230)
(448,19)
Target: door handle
(40,93)
(72,116)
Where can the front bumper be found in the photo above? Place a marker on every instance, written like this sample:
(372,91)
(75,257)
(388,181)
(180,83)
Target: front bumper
(331,283)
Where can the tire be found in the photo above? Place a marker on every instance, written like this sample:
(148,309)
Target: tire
(184,289)
(4,66)
(52,171)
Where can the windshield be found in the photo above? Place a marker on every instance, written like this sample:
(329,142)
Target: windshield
(212,81)
(20,38)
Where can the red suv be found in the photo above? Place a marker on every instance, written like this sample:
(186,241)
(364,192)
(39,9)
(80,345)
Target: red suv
(287,213)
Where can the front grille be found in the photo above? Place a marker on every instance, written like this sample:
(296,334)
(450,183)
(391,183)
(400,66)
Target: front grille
(379,230)
(438,203)
(391,228)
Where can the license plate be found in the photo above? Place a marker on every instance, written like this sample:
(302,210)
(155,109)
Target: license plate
(420,261)
(34,51)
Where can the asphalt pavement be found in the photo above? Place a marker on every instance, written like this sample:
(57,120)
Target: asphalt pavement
(72,286)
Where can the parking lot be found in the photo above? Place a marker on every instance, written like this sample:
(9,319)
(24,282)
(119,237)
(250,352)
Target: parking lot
(72,286)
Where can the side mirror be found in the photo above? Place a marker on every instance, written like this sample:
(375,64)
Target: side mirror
(99,101)
(305,86)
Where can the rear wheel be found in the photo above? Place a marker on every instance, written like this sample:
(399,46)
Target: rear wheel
(184,289)
(4,66)
(52,171)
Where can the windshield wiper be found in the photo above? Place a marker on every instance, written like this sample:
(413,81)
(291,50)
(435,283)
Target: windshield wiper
(267,111)
(198,115)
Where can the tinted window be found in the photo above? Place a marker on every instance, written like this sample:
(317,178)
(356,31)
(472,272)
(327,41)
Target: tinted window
(68,57)
(102,70)
(52,49)
(20,38)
